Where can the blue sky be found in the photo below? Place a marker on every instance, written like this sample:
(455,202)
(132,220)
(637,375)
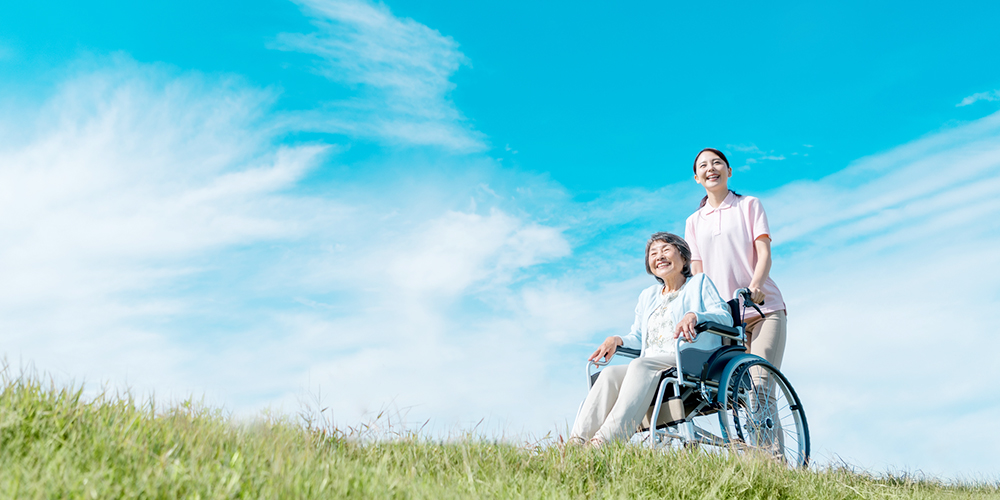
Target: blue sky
(270,202)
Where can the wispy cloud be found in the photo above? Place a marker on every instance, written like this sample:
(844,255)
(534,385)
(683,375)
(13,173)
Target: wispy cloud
(401,67)
(744,148)
(753,155)
(993,95)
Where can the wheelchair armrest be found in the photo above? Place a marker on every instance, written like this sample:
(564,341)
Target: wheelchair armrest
(628,353)
(621,351)
(718,329)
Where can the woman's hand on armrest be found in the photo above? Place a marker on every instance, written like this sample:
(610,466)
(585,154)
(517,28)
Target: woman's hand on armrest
(686,327)
(606,349)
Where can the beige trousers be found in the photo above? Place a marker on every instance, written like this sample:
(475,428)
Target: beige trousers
(766,337)
(619,399)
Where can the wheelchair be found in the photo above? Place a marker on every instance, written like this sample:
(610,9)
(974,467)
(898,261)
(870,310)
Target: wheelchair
(724,398)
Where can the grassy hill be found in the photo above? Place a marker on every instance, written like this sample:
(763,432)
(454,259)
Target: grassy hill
(53,444)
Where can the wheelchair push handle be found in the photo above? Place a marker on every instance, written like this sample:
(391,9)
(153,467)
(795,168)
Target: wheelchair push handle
(744,293)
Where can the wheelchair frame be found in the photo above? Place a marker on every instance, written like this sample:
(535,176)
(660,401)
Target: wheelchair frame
(725,387)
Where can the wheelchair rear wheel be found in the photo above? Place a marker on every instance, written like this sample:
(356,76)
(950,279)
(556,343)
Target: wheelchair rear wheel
(762,414)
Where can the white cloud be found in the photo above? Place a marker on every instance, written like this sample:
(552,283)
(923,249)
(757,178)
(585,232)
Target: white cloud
(401,67)
(980,96)
(458,249)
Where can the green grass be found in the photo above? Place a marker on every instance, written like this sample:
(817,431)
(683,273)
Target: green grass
(54,444)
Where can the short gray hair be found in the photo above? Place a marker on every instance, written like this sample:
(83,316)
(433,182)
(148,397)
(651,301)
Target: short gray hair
(679,244)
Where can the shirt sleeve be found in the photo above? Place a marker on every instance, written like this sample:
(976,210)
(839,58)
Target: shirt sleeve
(714,308)
(690,238)
(757,219)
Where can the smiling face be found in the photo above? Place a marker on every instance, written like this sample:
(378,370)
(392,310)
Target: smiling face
(665,261)
(712,172)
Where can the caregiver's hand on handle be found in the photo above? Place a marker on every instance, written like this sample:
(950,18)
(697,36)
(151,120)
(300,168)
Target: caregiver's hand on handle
(607,349)
(747,293)
(686,327)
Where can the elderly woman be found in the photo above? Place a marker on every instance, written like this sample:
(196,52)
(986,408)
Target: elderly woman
(670,309)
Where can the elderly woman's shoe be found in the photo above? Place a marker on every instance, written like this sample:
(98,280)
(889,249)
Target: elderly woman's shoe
(576,441)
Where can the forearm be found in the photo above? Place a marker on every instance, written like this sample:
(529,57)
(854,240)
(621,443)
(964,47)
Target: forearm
(761,272)
(763,268)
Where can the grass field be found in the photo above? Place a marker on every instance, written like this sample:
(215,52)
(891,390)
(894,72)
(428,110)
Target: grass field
(53,444)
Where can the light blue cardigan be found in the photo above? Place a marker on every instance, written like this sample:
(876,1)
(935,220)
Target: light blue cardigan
(698,295)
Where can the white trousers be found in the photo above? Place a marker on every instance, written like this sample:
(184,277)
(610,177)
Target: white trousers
(619,399)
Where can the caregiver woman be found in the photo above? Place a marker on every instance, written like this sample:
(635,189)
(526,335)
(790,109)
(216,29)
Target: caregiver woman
(731,243)
(667,310)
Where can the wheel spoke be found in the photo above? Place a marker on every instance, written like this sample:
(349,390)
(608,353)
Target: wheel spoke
(757,414)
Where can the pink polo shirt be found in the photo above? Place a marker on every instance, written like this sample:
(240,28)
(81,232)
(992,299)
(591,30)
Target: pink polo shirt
(723,238)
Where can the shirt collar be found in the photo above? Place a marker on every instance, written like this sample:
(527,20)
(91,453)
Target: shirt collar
(728,202)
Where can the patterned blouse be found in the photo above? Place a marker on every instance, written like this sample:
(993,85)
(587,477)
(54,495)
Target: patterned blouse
(660,336)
